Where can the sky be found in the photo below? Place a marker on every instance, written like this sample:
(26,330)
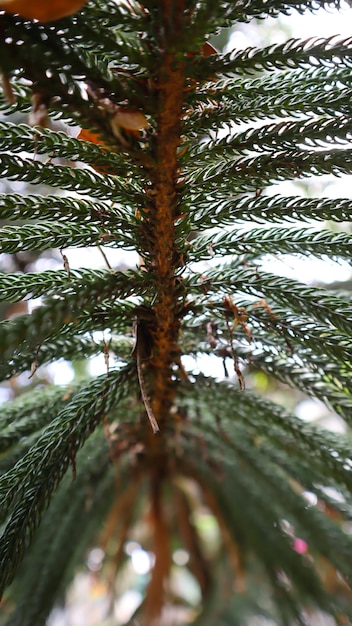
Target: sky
(322,23)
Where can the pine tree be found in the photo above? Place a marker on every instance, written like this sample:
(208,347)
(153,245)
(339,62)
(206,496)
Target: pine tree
(178,148)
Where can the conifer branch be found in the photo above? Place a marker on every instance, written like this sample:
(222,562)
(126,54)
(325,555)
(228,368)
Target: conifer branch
(50,208)
(162,132)
(16,239)
(327,52)
(281,240)
(72,426)
(227,208)
(82,181)
(326,307)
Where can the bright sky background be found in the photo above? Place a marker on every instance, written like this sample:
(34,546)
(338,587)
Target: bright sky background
(322,23)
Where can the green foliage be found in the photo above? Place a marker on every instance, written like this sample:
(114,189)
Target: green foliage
(188,188)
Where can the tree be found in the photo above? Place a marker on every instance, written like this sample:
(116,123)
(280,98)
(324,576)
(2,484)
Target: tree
(152,172)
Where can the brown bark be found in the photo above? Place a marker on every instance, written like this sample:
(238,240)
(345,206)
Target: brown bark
(163,258)
(161,547)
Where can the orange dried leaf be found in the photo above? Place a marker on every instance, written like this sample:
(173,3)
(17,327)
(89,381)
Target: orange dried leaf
(207,49)
(42,10)
(87,135)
